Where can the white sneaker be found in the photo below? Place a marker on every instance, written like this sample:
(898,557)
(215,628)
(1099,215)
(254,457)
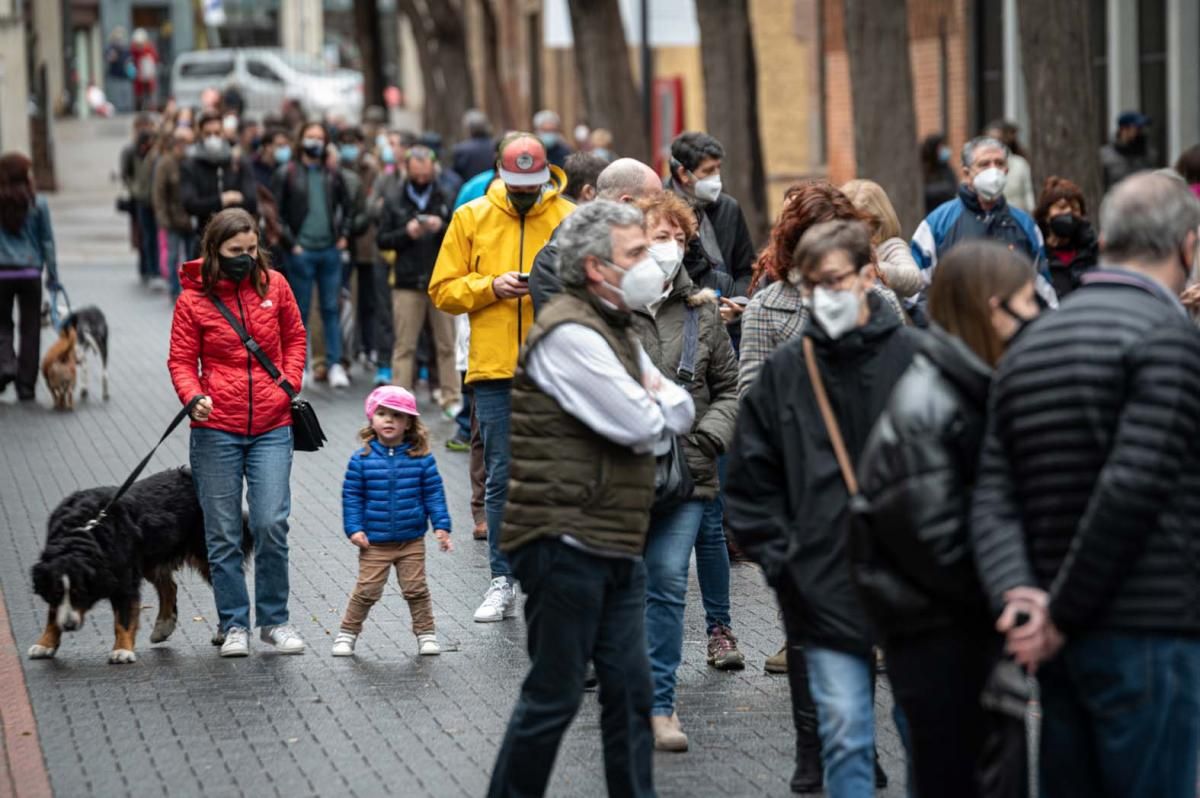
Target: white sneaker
(237,643)
(452,410)
(498,602)
(285,639)
(343,644)
(338,377)
(427,645)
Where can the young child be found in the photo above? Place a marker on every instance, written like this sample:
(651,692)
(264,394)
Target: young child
(391,493)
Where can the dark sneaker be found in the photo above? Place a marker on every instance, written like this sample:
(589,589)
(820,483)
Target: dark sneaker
(723,652)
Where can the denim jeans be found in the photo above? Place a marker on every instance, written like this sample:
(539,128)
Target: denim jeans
(463,419)
(324,268)
(579,607)
(220,461)
(712,559)
(493,406)
(1121,716)
(843,689)
(668,553)
(179,250)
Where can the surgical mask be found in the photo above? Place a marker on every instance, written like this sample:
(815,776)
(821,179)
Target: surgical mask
(230,124)
(215,144)
(236,267)
(668,256)
(836,311)
(548,139)
(313,148)
(387,154)
(1065,225)
(283,154)
(349,152)
(989,184)
(641,284)
(943,155)
(381,141)
(708,189)
(524,202)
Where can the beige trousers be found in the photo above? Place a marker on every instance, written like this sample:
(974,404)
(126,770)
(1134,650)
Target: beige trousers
(410,309)
(374,564)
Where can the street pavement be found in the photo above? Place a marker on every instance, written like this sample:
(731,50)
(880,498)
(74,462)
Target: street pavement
(185,722)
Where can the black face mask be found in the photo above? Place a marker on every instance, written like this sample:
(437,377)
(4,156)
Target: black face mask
(523,202)
(1065,225)
(237,267)
(312,150)
(1022,323)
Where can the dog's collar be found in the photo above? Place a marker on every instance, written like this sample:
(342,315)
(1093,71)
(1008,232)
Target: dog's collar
(95,522)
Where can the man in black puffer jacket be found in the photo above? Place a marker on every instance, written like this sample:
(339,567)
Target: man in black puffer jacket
(1089,490)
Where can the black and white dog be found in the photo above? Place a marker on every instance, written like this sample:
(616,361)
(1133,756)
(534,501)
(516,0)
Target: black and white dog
(91,332)
(153,531)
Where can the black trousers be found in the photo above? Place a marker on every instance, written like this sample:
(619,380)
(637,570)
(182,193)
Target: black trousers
(804,711)
(20,363)
(579,607)
(937,679)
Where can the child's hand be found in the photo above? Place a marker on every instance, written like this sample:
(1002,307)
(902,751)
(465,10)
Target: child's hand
(360,539)
(443,537)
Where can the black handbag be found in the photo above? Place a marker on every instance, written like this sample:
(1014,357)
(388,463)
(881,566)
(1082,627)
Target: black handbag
(307,435)
(673,483)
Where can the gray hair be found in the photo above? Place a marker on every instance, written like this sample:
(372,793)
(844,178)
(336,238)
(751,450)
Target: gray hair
(1147,217)
(624,176)
(982,143)
(588,232)
(546,117)
(476,123)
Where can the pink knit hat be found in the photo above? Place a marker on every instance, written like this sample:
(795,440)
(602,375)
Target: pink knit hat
(394,397)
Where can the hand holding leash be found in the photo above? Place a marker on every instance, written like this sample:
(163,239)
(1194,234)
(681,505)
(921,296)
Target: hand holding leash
(203,409)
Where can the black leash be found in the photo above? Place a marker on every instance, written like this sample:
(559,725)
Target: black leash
(137,472)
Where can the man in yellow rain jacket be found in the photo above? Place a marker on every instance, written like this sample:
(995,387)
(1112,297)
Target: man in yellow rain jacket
(483,270)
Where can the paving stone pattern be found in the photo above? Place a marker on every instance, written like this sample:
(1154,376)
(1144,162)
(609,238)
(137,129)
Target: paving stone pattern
(183,721)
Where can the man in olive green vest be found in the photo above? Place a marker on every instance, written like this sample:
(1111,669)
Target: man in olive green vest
(590,412)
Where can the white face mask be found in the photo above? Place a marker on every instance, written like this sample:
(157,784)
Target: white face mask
(709,188)
(836,311)
(641,284)
(668,256)
(989,184)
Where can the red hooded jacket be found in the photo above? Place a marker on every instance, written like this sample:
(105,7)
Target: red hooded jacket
(207,356)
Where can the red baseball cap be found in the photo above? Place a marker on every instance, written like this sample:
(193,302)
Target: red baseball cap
(523,163)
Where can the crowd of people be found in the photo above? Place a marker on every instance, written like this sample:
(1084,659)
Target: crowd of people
(961,457)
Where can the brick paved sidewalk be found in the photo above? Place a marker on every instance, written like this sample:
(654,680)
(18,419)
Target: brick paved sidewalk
(386,722)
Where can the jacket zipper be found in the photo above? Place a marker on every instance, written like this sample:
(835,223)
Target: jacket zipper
(249,365)
(520,268)
(391,489)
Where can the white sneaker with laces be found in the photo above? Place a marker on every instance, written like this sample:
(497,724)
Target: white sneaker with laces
(285,639)
(237,643)
(427,645)
(499,602)
(343,644)
(338,377)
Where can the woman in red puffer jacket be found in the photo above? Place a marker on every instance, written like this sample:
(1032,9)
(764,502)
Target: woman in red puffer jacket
(241,428)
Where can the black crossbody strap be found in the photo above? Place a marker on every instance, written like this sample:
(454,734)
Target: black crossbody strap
(253,347)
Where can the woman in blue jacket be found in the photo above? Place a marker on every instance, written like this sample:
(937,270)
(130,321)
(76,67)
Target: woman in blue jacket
(391,493)
(26,249)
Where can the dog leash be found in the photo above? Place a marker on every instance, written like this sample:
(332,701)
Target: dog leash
(137,472)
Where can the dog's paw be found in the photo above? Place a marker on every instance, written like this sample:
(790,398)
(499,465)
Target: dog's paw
(41,652)
(163,629)
(121,656)
(83,394)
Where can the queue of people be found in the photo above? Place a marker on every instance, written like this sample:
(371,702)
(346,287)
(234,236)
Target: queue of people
(965,454)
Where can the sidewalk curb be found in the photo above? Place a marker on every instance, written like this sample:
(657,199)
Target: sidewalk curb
(22,766)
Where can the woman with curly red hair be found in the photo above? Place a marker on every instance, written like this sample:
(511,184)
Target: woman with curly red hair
(1071,247)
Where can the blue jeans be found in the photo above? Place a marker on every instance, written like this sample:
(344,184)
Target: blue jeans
(1121,716)
(668,553)
(179,249)
(324,268)
(842,687)
(493,407)
(463,419)
(220,462)
(712,559)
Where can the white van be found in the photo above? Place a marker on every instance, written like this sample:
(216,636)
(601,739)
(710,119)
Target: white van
(266,76)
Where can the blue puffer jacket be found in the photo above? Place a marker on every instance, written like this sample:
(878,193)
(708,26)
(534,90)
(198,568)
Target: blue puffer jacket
(391,496)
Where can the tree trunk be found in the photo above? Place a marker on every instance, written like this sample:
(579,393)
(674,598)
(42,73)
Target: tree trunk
(1062,109)
(494,101)
(368,32)
(731,105)
(445,70)
(605,75)
(885,124)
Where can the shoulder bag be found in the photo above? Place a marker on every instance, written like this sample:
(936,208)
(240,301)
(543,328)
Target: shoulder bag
(307,435)
(672,478)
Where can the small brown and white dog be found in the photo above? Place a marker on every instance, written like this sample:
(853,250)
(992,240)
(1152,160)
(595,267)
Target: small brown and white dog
(58,369)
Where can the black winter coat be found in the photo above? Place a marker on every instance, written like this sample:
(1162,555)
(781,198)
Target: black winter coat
(544,282)
(415,257)
(473,155)
(786,502)
(1066,277)
(202,181)
(290,188)
(911,542)
(1089,482)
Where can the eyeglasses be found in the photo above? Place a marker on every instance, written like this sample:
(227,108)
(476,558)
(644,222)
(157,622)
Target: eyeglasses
(832,283)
